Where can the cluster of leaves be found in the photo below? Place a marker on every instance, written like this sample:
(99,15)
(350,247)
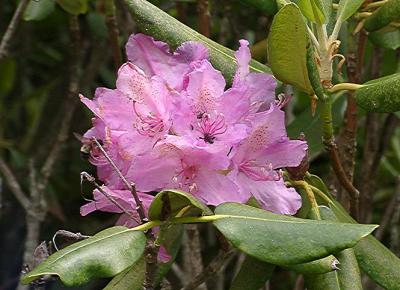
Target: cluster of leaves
(306,246)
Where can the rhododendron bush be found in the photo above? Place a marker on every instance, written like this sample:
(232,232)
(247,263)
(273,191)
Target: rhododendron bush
(192,134)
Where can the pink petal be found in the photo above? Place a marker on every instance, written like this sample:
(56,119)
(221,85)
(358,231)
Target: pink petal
(260,86)
(154,58)
(215,188)
(205,86)
(288,153)
(272,195)
(133,83)
(112,107)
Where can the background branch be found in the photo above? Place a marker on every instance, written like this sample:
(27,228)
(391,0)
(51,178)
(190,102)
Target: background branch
(12,29)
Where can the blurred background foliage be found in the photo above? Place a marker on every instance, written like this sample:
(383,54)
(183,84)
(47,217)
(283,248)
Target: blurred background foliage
(34,86)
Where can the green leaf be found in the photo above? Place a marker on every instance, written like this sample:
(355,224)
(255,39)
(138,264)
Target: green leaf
(317,11)
(349,276)
(170,203)
(380,95)
(383,16)
(269,7)
(320,266)
(347,8)
(284,240)
(389,40)
(377,261)
(374,259)
(253,275)
(74,7)
(287,48)
(130,279)
(155,22)
(38,9)
(106,254)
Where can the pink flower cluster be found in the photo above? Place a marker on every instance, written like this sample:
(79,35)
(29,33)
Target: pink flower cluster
(172,124)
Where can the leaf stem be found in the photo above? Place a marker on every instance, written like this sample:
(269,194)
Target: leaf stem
(310,194)
(313,37)
(345,86)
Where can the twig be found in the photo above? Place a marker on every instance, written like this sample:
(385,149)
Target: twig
(12,28)
(194,246)
(67,235)
(299,285)
(178,272)
(113,32)
(389,125)
(203,17)
(388,214)
(130,186)
(342,177)
(92,180)
(217,264)
(14,185)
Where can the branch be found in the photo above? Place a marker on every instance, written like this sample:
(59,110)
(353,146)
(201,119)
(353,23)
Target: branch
(12,28)
(194,249)
(69,106)
(203,17)
(92,180)
(342,177)
(15,187)
(113,32)
(216,265)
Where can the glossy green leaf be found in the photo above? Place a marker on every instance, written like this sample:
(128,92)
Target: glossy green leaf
(284,240)
(320,266)
(130,279)
(155,22)
(327,281)
(349,276)
(383,16)
(287,48)
(374,259)
(170,203)
(253,275)
(317,11)
(74,7)
(380,95)
(389,40)
(106,254)
(377,261)
(38,10)
(269,7)
(347,8)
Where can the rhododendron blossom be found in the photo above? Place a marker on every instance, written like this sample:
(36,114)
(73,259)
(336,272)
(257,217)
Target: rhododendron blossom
(172,123)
